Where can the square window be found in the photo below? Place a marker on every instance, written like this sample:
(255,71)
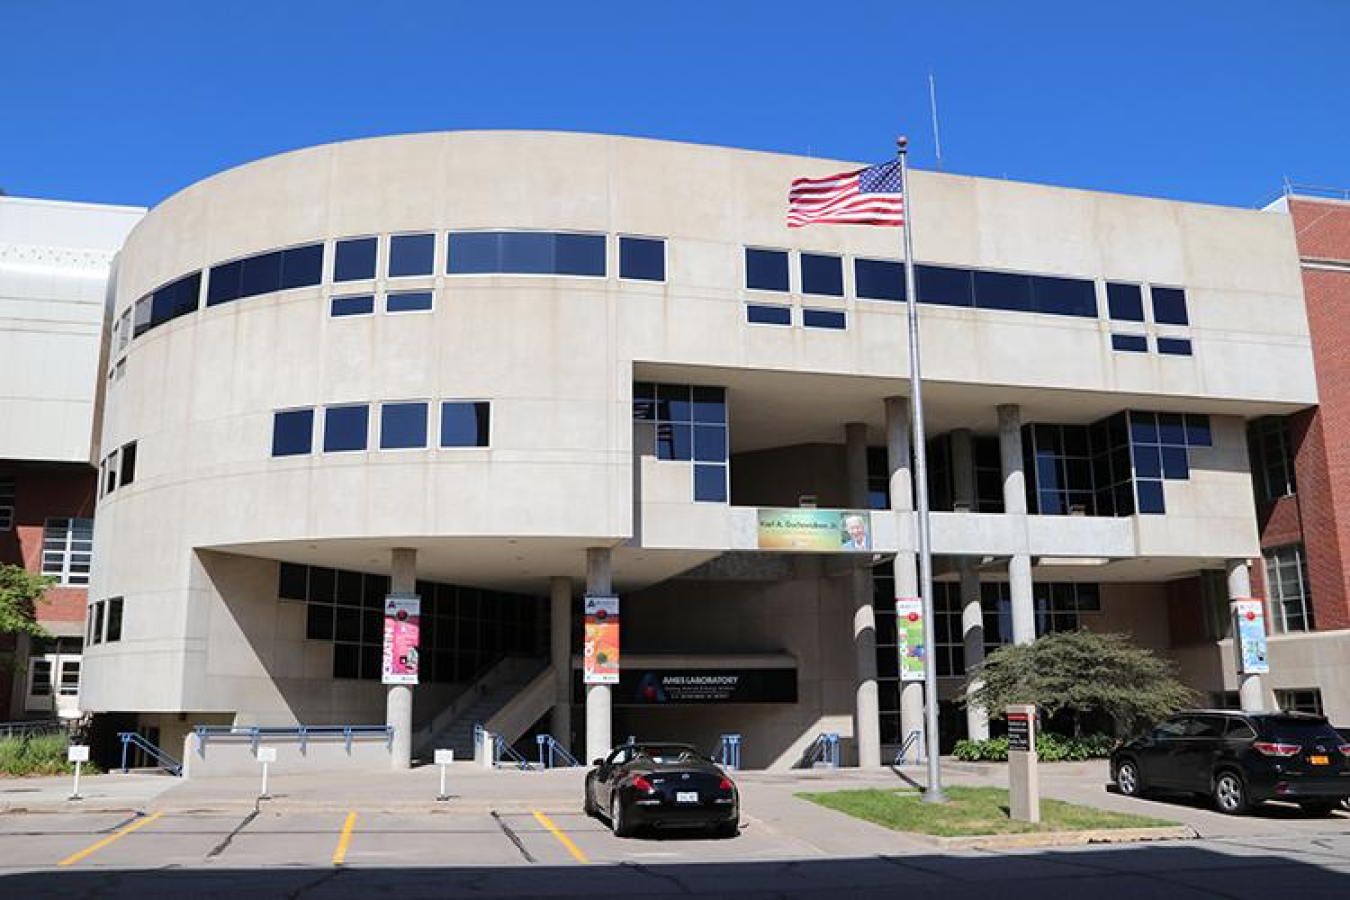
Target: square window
(822,274)
(361,305)
(411,254)
(674,441)
(644,401)
(403,426)
(346,661)
(758,314)
(710,405)
(1175,464)
(464,424)
(408,301)
(1171,429)
(292,581)
(673,403)
(1129,343)
(319,622)
(1125,302)
(876,279)
(322,585)
(1197,431)
(1147,461)
(293,432)
(1169,306)
(710,443)
(832,319)
(710,484)
(766,270)
(355,260)
(1143,428)
(1151,497)
(345,428)
(642,259)
(1174,346)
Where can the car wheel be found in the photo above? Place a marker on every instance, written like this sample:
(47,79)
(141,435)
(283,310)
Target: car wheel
(1230,793)
(1319,807)
(1128,780)
(617,823)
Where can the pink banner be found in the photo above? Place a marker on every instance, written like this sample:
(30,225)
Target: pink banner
(402,627)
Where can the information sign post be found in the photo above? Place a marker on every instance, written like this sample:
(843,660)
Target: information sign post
(79,755)
(1024,789)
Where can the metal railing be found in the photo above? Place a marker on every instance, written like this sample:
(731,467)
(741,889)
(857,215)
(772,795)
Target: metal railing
(915,740)
(30,727)
(1326,192)
(551,750)
(303,734)
(823,750)
(729,752)
(162,760)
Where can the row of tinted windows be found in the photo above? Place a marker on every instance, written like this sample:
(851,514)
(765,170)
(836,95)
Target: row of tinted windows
(1138,343)
(394,302)
(1125,303)
(766,314)
(402,426)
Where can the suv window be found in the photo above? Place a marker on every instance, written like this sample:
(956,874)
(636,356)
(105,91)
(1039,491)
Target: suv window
(1172,728)
(1205,727)
(1290,730)
(1240,730)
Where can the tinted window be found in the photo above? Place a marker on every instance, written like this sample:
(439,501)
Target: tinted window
(579,254)
(945,286)
(403,425)
(1238,729)
(1132,343)
(710,484)
(128,463)
(1207,727)
(1169,306)
(710,443)
(261,275)
(526,253)
(824,318)
(1151,497)
(1174,346)
(766,270)
(408,301)
(464,424)
(355,260)
(877,279)
(822,275)
(293,432)
(1197,431)
(643,259)
(768,315)
(1125,302)
(473,252)
(1291,730)
(345,428)
(362,305)
(411,254)
(710,405)
(114,620)
(1003,290)
(292,581)
(174,300)
(301,266)
(1064,296)
(223,285)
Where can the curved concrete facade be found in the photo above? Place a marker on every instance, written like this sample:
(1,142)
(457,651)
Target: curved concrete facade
(192,545)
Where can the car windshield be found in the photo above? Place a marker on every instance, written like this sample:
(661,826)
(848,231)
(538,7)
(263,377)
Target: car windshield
(1299,731)
(668,753)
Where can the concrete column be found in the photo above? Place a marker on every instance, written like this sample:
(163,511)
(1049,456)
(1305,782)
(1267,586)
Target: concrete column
(560,655)
(972,615)
(963,469)
(867,707)
(398,705)
(905,567)
(1015,503)
(1251,691)
(599,703)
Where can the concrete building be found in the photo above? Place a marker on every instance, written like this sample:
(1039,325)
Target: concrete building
(506,370)
(55,260)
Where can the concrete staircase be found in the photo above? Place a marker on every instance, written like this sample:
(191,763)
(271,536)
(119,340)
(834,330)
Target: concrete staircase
(458,735)
(452,729)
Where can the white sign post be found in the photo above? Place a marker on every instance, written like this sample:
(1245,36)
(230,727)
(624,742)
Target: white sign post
(443,759)
(266,755)
(1024,788)
(78,754)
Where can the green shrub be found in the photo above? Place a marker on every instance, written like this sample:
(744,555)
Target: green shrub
(42,754)
(1049,748)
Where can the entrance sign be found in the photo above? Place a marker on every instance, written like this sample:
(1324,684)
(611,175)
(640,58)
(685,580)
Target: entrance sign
(1024,789)
(600,646)
(909,637)
(676,687)
(815,530)
(402,629)
(1249,617)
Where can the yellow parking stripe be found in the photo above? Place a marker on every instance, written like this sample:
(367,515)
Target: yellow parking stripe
(562,838)
(139,823)
(344,840)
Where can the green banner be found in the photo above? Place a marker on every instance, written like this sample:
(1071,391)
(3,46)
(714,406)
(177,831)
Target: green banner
(909,637)
(818,530)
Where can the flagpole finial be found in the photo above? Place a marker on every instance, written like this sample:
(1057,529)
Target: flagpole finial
(901,144)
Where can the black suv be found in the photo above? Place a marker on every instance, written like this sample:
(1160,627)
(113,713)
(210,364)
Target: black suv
(1239,759)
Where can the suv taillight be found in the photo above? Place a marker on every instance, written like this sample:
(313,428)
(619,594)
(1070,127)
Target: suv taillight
(643,784)
(1272,749)
(1345,749)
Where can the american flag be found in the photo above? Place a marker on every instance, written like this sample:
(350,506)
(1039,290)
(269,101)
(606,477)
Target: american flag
(868,196)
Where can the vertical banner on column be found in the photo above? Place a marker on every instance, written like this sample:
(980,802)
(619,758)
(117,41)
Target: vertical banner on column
(600,645)
(1249,631)
(909,636)
(402,631)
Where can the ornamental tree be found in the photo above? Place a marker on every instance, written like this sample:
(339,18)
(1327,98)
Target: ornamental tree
(20,593)
(1081,674)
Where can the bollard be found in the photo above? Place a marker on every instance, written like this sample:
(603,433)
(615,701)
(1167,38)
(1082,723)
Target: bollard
(266,756)
(79,755)
(444,758)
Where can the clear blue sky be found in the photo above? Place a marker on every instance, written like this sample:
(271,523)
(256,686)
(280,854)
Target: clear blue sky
(1209,100)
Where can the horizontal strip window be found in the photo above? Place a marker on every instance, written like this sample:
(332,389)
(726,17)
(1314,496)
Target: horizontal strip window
(346,428)
(766,270)
(411,255)
(403,426)
(878,279)
(1125,302)
(1174,346)
(832,319)
(465,424)
(361,305)
(265,273)
(355,259)
(822,275)
(759,314)
(1129,343)
(525,253)
(409,301)
(169,302)
(642,259)
(293,432)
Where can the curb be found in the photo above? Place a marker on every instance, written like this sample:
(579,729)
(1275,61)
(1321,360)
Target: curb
(283,805)
(1062,838)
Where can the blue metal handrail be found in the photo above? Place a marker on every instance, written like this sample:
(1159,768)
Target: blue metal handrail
(914,740)
(550,750)
(163,760)
(302,733)
(501,748)
(729,751)
(825,748)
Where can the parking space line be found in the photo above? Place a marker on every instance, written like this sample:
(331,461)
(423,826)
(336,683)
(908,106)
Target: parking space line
(562,838)
(344,839)
(139,823)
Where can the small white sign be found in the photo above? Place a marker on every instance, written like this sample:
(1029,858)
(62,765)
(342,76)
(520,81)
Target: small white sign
(267,754)
(77,753)
(445,757)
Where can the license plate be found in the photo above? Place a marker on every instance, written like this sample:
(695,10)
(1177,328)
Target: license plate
(686,796)
(1317,760)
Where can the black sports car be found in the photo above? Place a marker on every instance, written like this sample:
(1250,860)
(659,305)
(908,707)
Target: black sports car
(664,786)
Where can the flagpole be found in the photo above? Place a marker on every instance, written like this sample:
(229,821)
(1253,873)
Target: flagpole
(932,749)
